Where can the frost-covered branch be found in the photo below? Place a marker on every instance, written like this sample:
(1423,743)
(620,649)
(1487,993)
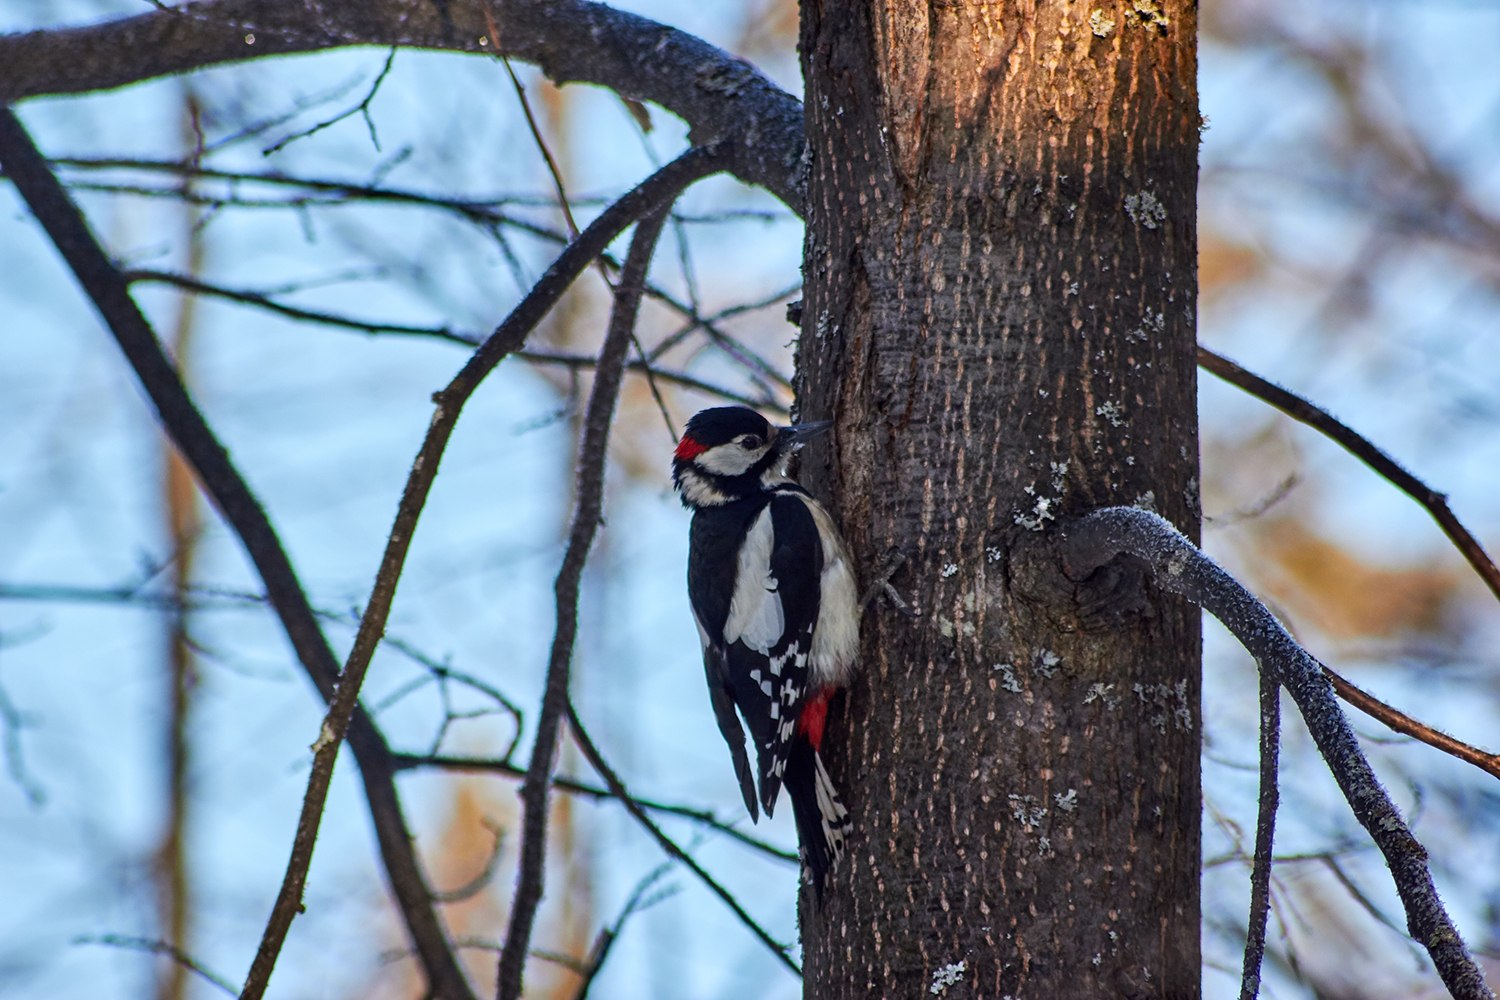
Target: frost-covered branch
(1182,568)
(1265,836)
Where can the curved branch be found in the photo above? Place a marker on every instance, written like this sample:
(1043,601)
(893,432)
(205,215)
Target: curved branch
(718,95)
(1182,568)
(196,441)
(1360,447)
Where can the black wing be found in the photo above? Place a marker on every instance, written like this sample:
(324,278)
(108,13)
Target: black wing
(712,560)
(716,666)
(770,683)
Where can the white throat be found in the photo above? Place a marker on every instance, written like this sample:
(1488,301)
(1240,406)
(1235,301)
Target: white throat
(698,490)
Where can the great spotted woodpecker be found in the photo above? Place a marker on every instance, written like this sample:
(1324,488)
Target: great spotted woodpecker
(773,591)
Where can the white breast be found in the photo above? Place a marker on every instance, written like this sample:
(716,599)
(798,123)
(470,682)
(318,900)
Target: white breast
(836,637)
(755,614)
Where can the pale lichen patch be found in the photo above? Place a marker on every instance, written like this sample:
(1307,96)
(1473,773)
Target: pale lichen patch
(1145,209)
(945,977)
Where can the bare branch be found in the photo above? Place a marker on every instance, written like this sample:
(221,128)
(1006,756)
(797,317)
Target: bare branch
(1400,722)
(486,874)
(718,95)
(510,335)
(617,787)
(196,441)
(1360,447)
(589,506)
(608,935)
(503,766)
(362,109)
(154,947)
(1265,834)
(537,139)
(1181,568)
(264,300)
(12,721)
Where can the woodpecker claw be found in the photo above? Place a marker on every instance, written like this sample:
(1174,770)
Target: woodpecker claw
(881,586)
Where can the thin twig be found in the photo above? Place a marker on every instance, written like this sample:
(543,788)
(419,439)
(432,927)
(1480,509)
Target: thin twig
(486,873)
(184,422)
(154,947)
(362,109)
(536,132)
(1265,835)
(609,935)
(1182,568)
(1360,447)
(565,205)
(263,299)
(341,192)
(537,787)
(1400,722)
(617,788)
(12,721)
(703,817)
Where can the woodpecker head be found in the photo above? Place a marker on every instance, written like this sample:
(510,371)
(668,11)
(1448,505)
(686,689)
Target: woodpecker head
(730,452)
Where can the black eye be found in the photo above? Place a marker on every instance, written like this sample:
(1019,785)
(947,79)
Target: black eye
(750,442)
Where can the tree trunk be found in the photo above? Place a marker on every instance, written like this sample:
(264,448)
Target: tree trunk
(999,315)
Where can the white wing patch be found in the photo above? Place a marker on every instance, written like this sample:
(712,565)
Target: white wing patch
(755,614)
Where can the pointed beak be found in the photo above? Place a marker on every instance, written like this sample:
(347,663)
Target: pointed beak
(795,436)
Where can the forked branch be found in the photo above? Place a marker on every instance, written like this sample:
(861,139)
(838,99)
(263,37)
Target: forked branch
(196,441)
(617,787)
(587,511)
(1182,568)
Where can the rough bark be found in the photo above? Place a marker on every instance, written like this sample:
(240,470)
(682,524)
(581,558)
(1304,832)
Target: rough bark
(999,316)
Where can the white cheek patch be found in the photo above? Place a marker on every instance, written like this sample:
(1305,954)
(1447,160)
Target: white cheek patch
(729,459)
(755,614)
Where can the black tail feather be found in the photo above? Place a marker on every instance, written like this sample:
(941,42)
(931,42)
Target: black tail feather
(822,821)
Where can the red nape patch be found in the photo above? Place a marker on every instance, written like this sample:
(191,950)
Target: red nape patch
(814,715)
(688,449)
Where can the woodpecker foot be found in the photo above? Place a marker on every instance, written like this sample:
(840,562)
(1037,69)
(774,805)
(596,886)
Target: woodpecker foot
(881,586)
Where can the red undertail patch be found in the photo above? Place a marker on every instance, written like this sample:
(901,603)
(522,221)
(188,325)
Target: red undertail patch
(814,715)
(688,449)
